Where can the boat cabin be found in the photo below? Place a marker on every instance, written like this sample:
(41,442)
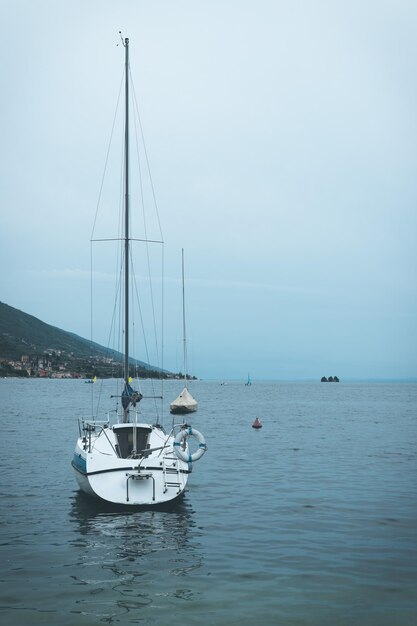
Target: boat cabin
(131,439)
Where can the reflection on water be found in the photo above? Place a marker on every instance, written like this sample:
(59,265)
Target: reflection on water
(84,508)
(128,559)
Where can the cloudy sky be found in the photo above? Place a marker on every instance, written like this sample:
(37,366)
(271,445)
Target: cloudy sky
(282,140)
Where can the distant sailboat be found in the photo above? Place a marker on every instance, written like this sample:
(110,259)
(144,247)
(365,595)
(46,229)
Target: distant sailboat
(185,402)
(249,382)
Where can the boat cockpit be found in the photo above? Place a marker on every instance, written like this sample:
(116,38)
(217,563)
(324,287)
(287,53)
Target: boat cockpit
(132,441)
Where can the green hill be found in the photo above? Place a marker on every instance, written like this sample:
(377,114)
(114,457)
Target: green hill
(27,337)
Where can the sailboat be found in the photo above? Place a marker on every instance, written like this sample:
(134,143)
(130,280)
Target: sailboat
(126,461)
(248,382)
(185,402)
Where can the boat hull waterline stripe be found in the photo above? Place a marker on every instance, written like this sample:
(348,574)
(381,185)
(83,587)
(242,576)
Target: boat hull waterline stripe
(123,469)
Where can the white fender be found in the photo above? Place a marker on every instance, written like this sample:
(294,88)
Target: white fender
(189,432)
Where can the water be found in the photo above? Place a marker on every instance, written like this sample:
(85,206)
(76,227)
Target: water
(310,521)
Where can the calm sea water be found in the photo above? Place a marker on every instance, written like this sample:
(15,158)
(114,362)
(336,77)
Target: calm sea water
(310,521)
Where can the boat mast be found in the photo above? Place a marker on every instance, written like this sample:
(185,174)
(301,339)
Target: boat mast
(126,237)
(183,322)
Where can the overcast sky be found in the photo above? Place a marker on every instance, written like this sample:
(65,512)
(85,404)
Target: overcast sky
(282,141)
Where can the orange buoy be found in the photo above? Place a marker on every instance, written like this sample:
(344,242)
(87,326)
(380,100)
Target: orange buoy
(256,424)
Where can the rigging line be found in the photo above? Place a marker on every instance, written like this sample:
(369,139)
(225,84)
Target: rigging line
(91,315)
(146,155)
(117,318)
(114,334)
(107,157)
(112,330)
(91,318)
(91,322)
(135,286)
(120,237)
(146,234)
(147,353)
(162,324)
(132,317)
(141,182)
(118,332)
(93,230)
(161,358)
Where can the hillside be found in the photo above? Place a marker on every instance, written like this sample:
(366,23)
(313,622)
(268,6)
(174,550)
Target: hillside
(25,339)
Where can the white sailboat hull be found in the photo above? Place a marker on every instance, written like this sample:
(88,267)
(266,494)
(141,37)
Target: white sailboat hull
(154,478)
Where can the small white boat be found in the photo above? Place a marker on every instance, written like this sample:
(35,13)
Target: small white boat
(185,402)
(128,461)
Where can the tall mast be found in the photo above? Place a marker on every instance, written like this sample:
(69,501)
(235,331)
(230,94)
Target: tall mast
(126,237)
(183,321)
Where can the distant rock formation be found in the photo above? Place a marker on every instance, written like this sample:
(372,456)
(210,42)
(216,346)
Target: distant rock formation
(331,379)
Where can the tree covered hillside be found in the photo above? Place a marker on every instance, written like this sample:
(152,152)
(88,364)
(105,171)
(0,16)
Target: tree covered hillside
(31,346)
